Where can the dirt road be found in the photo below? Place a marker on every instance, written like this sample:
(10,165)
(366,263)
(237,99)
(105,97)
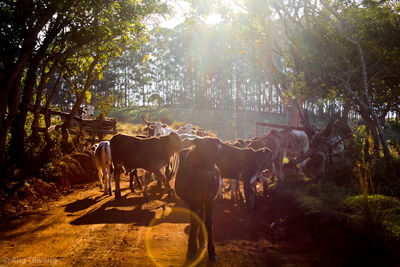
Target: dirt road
(87,228)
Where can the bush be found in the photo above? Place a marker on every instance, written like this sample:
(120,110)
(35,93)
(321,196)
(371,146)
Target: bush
(382,216)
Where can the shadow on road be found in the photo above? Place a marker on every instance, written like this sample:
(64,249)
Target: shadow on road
(82,204)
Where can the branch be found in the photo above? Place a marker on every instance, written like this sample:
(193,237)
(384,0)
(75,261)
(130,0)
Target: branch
(346,85)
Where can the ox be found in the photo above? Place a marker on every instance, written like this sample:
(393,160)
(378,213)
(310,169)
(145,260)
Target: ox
(103,162)
(235,188)
(151,154)
(244,164)
(324,149)
(197,183)
(290,143)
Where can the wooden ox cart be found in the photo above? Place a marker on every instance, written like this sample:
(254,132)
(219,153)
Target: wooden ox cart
(97,127)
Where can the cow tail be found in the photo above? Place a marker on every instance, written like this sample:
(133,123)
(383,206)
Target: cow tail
(175,164)
(108,153)
(109,158)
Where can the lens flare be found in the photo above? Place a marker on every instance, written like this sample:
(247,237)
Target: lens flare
(174,212)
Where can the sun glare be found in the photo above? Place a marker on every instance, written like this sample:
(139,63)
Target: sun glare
(213,18)
(182,8)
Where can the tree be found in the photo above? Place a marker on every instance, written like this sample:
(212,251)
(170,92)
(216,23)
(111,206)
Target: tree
(77,39)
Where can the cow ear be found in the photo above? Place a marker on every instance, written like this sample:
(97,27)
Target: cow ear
(151,126)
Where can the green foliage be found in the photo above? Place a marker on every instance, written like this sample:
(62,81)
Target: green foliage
(104,103)
(392,129)
(329,193)
(156,98)
(309,203)
(383,213)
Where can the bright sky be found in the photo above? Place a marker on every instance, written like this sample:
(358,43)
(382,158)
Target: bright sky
(181,8)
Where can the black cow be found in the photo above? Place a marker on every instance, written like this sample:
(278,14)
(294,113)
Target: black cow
(197,183)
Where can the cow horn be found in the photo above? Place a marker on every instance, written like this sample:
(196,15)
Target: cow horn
(148,123)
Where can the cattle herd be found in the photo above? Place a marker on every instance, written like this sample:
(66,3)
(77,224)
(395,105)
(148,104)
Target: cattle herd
(200,163)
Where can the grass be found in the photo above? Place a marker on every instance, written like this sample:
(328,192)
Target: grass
(383,213)
(366,212)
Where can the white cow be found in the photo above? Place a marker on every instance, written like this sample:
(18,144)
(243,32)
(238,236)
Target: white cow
(161,129)
(104,165)
(297,144)
(88,113)
(187,129)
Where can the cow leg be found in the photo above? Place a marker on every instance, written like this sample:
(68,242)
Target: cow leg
(110,175)
(248,194)
(233,190)
(100,175)
(201,234)
(279,166)
(300,172)
(138,181)
(146,182)
(117,173)
(105,179)
(265,186)
(159,184)
(106,175)
(220,189)
(162,178)
(253,182)
(168,172)
(238,191)
(209,226)
(156,178)
(192,244)
(131,174)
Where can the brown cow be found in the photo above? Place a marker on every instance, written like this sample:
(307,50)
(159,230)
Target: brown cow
(244,164)
(234,183)
(150,154)
(273,141)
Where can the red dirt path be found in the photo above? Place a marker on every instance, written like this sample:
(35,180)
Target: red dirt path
(87,228)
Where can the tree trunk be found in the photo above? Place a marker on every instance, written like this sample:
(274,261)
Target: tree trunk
(293,112)
(13,102)
(79,100)
(126,88)
(238,83)
(374,136)
(144,96)
(36,112)
(259,88)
